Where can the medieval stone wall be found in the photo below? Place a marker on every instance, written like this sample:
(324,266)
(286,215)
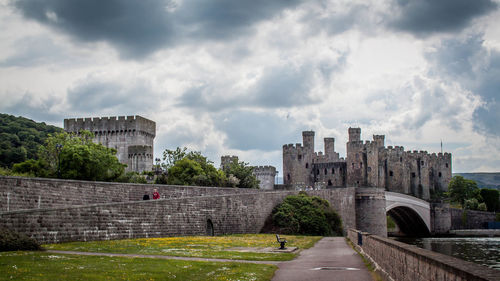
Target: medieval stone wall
(399,261)
(64,210)
(121,133)
(18,193)
(469,219)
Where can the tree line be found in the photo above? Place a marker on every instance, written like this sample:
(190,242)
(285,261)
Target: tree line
(35,149)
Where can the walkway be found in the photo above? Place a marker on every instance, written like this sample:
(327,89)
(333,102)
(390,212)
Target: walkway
(330,259)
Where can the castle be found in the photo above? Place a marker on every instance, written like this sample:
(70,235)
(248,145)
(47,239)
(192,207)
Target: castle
(264,174)
(131,136)
(367,164)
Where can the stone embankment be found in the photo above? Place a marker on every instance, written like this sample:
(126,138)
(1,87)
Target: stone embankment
(398,261)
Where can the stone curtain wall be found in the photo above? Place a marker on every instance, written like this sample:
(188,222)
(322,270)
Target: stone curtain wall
(237,213)
(18,193)
(343,202)
(471,220)
(184,211)
(399,261)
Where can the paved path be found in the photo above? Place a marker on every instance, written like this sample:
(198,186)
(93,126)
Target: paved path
(157,257)
(330,259)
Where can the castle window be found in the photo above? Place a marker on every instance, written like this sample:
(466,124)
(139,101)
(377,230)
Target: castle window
(439,174)
(369,169)
(317,171)
(400,159)
(326,172)
(288,176)
(391,174)
(330,182)
(422,163)
(300,156)
(333,171)
(340,169)
(360,164)
(353,165)
(307,165)
(446,165)
(413,175)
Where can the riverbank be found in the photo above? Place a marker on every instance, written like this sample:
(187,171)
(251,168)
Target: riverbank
(475,233)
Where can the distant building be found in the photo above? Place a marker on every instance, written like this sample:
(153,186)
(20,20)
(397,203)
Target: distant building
(131,136)
(368,164)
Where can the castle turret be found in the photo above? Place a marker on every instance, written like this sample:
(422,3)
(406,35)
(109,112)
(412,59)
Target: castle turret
(379,140)
(329,146)
(354,134)
(308,140)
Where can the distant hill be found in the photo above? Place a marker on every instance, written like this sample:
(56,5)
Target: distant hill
(484,180)
(20,138)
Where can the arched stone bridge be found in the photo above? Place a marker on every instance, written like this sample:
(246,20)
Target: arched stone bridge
(411,214)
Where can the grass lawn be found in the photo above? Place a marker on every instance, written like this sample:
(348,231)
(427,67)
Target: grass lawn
(194,246)
(48,266)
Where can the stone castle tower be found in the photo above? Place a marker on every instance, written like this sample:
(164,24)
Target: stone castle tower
(265,174)
(367,164)
(131,136)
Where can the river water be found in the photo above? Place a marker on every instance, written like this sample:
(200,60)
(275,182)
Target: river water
(481,250)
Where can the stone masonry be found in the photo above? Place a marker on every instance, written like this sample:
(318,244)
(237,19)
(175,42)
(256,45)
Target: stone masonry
(52,210)
(367,164)
(131,136)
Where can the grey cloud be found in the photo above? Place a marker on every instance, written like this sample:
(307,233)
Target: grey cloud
(221,19)
(38,111)
(139,28)
(338,22)
(93,95)
(425,17)
(279,87)
(477,70)
(34,51)
(248,130)
(284,86)
(136,28)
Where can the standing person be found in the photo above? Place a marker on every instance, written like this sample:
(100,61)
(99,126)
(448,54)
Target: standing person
(156,195)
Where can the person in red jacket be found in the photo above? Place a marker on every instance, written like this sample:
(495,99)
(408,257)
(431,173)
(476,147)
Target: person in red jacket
(156,195)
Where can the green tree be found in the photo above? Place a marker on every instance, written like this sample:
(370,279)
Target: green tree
(303,214)
(491,198)
(74,157)
(20,139)
(192,169)
(172,156)
(244,174)
(461,189)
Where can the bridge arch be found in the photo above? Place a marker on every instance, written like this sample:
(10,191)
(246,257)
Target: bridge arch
(411,214)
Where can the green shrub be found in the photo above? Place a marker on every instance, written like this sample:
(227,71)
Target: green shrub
(13,241)
(482,207)
(309,215)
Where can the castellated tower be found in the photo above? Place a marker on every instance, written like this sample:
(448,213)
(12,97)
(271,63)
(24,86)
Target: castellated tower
(356,159)
(266,175)
(131,136)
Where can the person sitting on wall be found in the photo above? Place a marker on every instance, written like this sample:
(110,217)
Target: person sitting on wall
(156,195)
(146,196)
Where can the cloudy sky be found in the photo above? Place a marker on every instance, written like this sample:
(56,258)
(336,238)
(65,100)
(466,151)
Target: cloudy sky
(245,77)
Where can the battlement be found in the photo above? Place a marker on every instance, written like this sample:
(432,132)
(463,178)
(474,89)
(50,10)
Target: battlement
(263,169)
(292,146)
(111,124)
